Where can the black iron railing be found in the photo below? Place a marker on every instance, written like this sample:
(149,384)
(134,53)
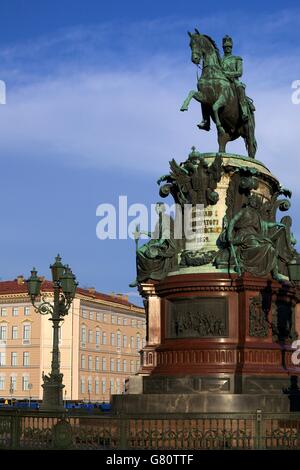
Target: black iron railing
(41,430)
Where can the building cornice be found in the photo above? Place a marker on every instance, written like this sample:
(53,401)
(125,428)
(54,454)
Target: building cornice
(128,308)
(24,298)
(15,298)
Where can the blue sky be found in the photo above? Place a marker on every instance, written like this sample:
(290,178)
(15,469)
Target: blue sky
(93,96)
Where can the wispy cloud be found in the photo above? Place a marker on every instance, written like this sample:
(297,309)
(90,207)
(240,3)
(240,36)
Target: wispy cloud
(131,119)
(108,97)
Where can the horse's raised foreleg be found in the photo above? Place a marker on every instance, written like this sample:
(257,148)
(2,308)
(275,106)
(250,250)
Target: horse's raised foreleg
(188,99)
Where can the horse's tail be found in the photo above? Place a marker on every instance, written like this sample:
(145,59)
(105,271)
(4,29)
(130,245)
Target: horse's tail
(250,140)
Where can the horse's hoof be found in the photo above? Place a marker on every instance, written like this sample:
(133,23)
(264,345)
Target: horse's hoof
(204,126)
(183,108)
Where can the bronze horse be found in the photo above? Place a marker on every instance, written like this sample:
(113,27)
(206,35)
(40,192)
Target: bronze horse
(218,96)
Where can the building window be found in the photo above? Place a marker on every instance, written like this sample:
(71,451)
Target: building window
(112,365)
(118,386)
(132,342)
(89,387)
(103,337)
(97,363)
(124,321)
(112,339)
(82,385)
(133,323)
(99,316)
(2,382)
(15,311)
(111,386)
(90,336)
(138,342)
(91,315)
(113,319)
(26,333)
(119,321)
(3,332)
(83,335)
(13,383)
(3,312)
(124,365)
(2,358)
(118,365)
(25,383)
(96,386)
(84,313)
(143,342)
(137,365)
(118,339)
(82,361)
(90,361)
(105,318)
(14,332)
(103,363)
(26,311)
(103,385)
(25,358)
(97,337)
(124,341)
(14,359)
(132,367)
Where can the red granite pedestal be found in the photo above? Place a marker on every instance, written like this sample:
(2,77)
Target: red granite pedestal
(223,338)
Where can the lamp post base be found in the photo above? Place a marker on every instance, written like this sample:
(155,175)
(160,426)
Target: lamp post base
(52,393)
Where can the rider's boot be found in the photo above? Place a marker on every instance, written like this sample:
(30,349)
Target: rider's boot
(204,125)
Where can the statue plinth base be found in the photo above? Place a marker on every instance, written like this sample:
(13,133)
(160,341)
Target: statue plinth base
(162,403)
(216,342)
(52,396)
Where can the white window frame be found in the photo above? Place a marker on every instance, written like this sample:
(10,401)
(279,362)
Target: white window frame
(25,383)
(15,311)
(26,311)
(14,332)
(26,355)
(14,358)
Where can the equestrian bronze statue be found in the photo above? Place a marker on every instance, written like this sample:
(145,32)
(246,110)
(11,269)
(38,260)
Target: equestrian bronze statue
(221,94)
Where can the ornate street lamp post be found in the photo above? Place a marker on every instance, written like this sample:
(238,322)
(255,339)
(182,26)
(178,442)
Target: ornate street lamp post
(64,287)
(29,390)
(11,389)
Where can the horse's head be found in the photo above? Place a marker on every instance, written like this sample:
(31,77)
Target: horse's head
(196,46)
(203,47)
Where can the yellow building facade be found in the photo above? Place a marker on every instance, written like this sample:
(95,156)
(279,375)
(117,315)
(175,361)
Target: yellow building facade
(100,340)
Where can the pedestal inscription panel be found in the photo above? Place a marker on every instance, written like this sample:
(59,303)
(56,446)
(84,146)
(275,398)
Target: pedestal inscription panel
(197,317)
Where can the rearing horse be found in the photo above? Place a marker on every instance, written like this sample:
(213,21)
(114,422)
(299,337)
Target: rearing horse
(218,96)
